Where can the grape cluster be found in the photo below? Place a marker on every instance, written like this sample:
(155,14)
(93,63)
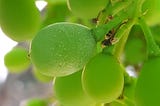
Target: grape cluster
(68,44)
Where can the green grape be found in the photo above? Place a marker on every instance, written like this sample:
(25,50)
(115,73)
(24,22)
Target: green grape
(152,9)
(20,19)
(36,102)
(62,48)
(129,89)
(16,60)
(86,8)
(68,91)
(147,89)
(135,48)
(56,12)
(103,78)
(42,78)
(134,51)
(156,33)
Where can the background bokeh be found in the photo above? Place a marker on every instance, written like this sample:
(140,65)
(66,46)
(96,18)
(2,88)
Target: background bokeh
(17,88)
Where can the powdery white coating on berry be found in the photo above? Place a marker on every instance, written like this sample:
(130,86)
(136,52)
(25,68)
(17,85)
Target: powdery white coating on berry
(62,48)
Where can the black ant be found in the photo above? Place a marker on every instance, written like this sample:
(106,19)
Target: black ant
(109,37)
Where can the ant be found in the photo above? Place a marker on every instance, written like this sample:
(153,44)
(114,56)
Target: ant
(109,37)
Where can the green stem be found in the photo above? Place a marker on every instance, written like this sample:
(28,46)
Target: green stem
(100,31)
(113,10)
(138,8)
(122,36)
(103,14)
(152,47)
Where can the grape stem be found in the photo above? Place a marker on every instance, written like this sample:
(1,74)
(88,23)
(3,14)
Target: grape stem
(112,10)
(123,32)
(152,48)
(138,8)
(119,6)
(100,31)
(103,14)
(122,36)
